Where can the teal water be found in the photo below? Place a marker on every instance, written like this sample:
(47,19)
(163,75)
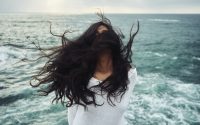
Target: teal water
(166,54)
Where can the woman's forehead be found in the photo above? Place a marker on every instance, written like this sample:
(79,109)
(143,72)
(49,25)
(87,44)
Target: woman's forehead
(102,28)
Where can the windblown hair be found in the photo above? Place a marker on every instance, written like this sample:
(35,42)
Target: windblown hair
(70,66)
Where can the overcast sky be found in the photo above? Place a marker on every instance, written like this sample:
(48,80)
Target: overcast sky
(108,6)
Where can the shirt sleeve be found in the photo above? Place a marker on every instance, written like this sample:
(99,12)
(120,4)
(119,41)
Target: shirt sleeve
(72,113)
(133,82)
(133,77)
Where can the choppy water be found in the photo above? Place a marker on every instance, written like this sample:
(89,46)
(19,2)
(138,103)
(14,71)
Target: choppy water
(166,53)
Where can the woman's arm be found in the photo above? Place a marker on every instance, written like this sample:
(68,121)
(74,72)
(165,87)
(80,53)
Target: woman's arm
(133,81)
(72,113)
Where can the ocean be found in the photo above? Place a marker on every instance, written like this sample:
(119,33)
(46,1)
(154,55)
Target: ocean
(166,53)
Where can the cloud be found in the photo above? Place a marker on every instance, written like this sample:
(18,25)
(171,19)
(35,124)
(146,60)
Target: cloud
(109,6)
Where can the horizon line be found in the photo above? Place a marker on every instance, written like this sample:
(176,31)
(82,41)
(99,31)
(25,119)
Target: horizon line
(54,13)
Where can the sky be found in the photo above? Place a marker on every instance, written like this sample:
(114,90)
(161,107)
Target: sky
(107,6)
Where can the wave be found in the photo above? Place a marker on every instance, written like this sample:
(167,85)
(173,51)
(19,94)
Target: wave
(158,99)
(160,54)
(28,109)
(164,20)
(165,55)
(157,54)
(14,45)
(196,58)
(175,58)
(8,55)
(2,87)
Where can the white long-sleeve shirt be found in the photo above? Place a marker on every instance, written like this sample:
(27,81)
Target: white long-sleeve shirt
(105,114)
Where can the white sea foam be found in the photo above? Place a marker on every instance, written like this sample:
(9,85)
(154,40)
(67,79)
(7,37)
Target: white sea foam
(3,55)
(11,57)
(175,58)
(159,100)
(160,54)
(196,58)
(157,54)
(9,53)
(164,20)
(3,58)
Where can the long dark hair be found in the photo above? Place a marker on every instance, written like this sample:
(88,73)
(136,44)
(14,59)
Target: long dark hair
(70,66)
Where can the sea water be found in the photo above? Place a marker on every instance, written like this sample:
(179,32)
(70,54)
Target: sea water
(166,52)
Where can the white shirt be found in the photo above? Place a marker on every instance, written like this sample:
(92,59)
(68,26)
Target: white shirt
(105,114)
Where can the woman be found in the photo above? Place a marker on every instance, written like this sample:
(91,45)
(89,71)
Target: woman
(94,72)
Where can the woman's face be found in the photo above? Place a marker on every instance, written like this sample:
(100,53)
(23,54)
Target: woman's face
(101,29)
